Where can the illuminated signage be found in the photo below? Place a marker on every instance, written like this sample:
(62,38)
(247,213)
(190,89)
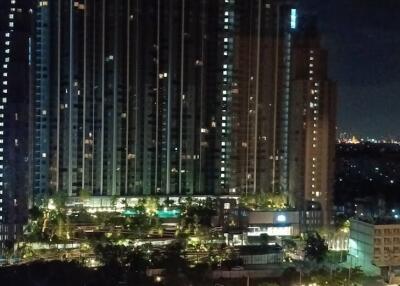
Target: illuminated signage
(293,18)
(281,218)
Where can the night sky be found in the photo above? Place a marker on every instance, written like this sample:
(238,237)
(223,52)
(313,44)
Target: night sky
(363,39)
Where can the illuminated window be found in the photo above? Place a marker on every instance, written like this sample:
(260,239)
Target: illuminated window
(293,18)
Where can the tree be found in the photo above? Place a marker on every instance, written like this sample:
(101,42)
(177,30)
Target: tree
(151,205)
(265,239)
(113,201)
(200,275)
(8,250)
(35,213)
(59,199)
(289,244)
(137,262)
(334,278)
(111,254)
(84,195)
(113,258)
(290,276)
(316,248)
(175,265)
(271,201)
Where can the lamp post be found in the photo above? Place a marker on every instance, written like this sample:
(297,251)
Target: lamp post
(299,268)
(351,264)
(351,260)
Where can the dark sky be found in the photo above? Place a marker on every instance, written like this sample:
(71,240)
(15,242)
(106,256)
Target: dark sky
(363,39)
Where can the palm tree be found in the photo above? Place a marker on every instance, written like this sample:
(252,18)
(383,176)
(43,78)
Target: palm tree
(316,248)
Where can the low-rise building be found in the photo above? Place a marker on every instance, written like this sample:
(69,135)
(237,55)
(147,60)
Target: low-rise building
(273,223)
(261,254)
(374,245)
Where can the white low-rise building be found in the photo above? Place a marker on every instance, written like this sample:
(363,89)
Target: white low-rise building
(374,246)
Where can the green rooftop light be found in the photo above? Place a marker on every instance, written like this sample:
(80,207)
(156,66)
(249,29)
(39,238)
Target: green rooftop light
(160,213)
(129,213)
(168,213)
